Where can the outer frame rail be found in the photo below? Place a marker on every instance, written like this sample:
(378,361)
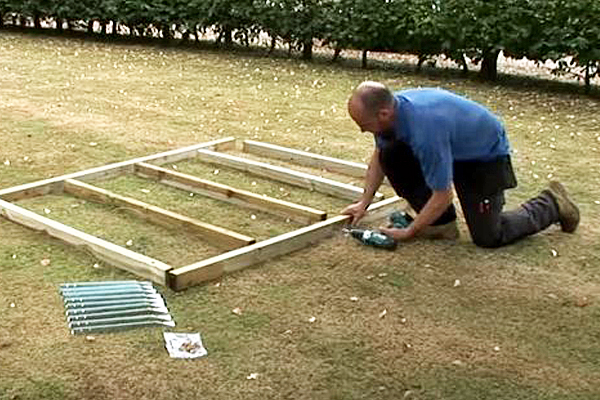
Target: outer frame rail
(111,253)
(214,267)
(55,185)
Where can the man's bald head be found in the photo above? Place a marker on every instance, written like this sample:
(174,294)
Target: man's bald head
(371,106)
(372,96)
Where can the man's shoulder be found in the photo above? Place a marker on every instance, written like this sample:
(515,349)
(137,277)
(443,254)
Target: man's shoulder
(423,93)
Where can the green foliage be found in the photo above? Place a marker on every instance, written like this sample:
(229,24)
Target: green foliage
(561,30)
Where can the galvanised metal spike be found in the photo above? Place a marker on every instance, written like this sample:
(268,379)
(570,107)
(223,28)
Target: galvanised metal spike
(102,283)
(118,313)
(121,320)
(91,304)
(106,298)
(100,287)
(108,292)
(117,327)
(115,307)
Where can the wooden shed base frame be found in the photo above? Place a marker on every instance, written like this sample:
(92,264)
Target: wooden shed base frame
(241,251)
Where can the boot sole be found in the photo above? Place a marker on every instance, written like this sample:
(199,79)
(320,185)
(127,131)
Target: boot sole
(559,189)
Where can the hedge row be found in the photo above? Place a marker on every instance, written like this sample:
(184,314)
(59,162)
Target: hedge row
(478,29)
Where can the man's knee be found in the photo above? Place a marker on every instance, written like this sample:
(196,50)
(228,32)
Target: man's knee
(487,241)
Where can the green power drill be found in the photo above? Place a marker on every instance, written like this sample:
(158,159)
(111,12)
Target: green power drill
(398,219)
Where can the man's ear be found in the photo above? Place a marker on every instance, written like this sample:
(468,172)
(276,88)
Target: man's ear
(385,114)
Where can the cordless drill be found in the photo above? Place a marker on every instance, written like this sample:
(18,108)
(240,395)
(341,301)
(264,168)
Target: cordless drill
(398,219)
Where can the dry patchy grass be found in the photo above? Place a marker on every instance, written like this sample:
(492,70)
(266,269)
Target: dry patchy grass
(513,329)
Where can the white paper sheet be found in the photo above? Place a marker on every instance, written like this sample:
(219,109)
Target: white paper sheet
(184,345)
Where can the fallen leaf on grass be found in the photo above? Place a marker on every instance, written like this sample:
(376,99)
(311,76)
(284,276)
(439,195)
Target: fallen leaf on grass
(312,319)
(237,311)
(129,242)
(456,282)
(383,313)
(45,262)
(252,376)
(582,302)
(554,253)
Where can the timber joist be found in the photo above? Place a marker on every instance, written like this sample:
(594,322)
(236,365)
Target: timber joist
(241,251)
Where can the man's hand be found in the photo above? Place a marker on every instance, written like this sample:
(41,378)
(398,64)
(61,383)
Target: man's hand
(356,211)
(399,234)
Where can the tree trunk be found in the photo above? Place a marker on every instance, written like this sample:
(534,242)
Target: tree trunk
(588,77)
(422,59)
(489,65)
(307,50)
(90,27)
(463,63)
(37,23)
(336,53)
(115,28)
(1,20)
(364,59)
(228,37)
(59,24)
(273,44)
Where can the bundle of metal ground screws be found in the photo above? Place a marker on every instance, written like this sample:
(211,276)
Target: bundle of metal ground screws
(94,307)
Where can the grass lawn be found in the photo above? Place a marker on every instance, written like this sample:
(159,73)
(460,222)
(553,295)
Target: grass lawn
(524,323)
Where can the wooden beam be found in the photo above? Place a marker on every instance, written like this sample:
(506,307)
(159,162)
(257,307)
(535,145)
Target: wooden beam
(214,267)
(302,214)
(215,235)
(55,185)
(286,175)
(350,168)
(344,167)
(138,264)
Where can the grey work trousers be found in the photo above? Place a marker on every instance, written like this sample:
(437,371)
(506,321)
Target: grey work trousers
(480,188)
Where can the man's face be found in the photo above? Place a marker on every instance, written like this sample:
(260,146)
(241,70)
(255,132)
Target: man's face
(380,122)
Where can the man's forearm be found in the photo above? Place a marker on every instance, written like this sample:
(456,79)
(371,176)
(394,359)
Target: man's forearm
(373,179)
(433,209)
